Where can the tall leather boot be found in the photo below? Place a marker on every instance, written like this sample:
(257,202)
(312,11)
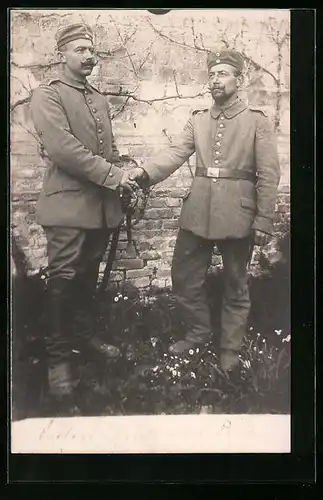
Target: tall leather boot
(58,342)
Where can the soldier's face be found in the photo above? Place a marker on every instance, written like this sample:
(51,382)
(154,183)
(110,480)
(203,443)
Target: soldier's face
(79,57)
(223,82)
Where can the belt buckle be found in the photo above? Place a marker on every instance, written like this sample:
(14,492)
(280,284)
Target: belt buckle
(213,172)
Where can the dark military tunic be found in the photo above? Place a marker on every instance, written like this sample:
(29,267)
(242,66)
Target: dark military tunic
(238,137)
(80,187)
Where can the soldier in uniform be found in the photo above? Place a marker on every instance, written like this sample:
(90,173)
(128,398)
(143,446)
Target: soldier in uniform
(231,203)
(79,205)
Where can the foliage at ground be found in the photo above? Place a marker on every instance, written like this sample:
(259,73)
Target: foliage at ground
(146,379)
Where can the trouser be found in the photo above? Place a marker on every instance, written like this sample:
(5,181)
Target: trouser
(74,257)
(192,257)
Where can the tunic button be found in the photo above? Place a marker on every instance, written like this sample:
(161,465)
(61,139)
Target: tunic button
(89,101)
(101,141)
(216,162)
(219,135)
(85,92)
(101,151)
(110,175)
(218,143)
(214,180)
(94,110)
(221,117)
(221,125)
(98,119)
(217,152)
(100,130)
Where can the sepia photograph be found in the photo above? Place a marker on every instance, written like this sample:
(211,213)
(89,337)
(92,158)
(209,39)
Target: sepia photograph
(150,230)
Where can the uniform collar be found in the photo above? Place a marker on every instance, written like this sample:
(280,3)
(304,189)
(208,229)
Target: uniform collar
(229,111)
(74,82)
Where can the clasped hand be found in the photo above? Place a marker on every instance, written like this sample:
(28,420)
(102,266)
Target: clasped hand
(131,179)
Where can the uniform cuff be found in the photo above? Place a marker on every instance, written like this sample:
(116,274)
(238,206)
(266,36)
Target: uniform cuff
(145,180)
(263,224)
(112,180)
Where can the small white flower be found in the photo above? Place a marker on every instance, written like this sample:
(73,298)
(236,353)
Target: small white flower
(255,348)
(264,340)
(176,365)
(174,373)
(278,332)
(179,374)
(186,361)
(125,298)
(260,352)
(155,368)
(193,375)
(191,351)
(165,354)
(258,334)
(286,339)
(116,299)
(197,350)
(251,328)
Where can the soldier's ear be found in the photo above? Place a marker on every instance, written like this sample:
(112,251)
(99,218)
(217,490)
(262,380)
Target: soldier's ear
(61,57)
(240,81)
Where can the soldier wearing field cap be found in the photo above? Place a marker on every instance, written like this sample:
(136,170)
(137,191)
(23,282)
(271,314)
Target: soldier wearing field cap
(230,204)
(79,205)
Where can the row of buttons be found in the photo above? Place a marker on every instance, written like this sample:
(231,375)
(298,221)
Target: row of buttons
(98,119)
(217,145)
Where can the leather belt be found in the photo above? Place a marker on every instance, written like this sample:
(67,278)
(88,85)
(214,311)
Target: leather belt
(226,173)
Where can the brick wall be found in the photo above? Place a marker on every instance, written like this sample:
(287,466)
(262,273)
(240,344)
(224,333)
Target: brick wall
(151,57)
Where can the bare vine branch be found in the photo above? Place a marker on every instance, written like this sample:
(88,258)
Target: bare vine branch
(20,102)
(123,43)
(35,65)
(225,42)
(17,122)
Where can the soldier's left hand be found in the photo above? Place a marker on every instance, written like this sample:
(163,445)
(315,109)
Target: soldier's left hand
(260,238)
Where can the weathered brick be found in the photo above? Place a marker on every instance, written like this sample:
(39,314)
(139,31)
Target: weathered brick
(128,264)
(162,283)
(165,272)
(161,213)
(149,255)
(175,192)
(162,233)
(138,273)
(139,282)
(147,224)
(170,224)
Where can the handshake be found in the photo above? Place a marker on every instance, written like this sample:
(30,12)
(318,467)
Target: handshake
(134,179)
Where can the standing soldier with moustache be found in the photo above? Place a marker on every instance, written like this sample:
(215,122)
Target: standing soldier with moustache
(231,203)
(79,206)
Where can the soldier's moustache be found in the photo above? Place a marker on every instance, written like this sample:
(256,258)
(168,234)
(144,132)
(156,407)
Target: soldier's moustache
(91,62)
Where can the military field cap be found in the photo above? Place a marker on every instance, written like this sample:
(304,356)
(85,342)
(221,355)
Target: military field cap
(231,57)
(73,32)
